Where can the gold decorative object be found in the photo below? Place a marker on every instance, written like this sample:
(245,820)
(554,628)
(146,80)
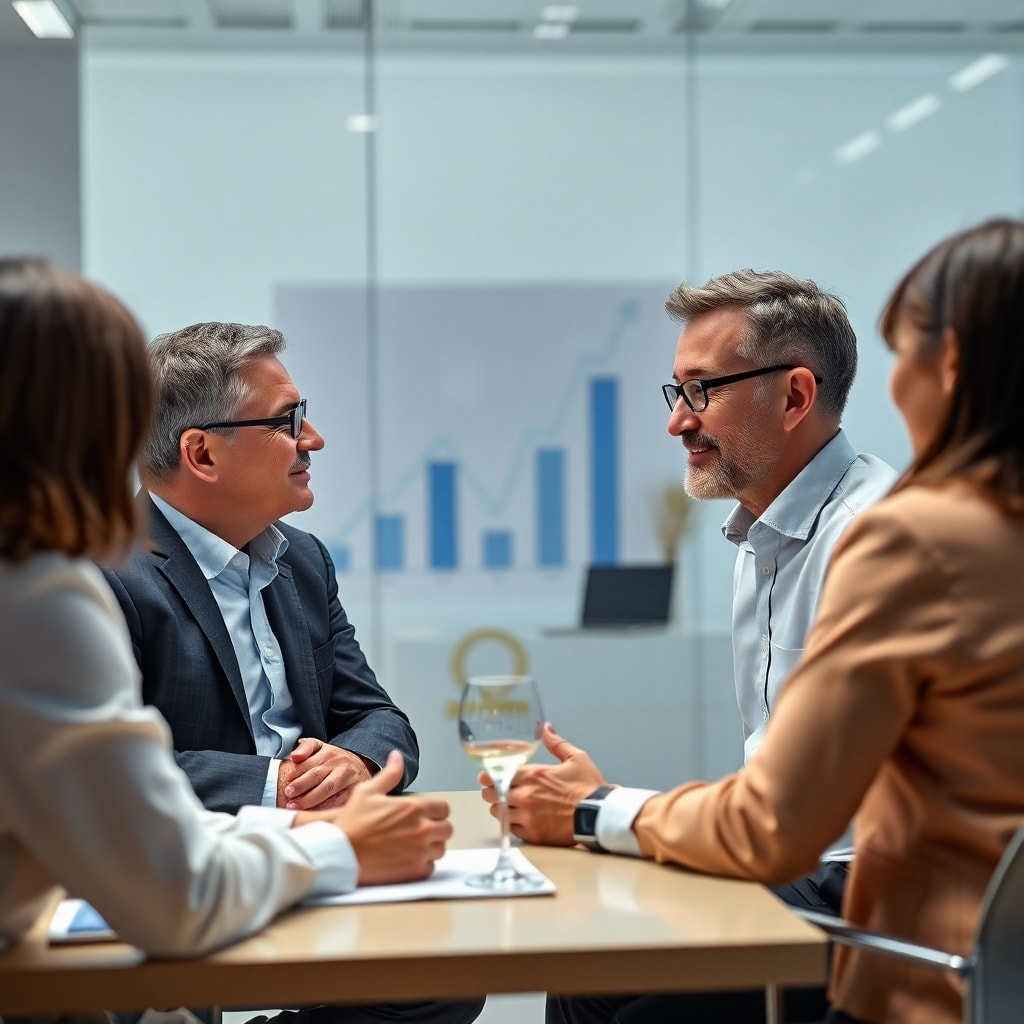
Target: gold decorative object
(673,516)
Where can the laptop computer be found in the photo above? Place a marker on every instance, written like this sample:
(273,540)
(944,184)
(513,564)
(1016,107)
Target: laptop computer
(623,597)
(627,595)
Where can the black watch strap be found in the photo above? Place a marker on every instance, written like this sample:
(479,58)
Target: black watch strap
(584,818)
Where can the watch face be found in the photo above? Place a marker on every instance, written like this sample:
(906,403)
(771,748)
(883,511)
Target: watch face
(586,820)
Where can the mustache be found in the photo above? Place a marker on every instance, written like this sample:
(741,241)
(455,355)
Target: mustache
(301,463)
(696,439)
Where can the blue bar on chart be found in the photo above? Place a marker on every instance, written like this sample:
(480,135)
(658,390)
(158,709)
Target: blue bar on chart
(389,542)
(497,552)
(550,496)
(604,470)
(441,511)
(340,558)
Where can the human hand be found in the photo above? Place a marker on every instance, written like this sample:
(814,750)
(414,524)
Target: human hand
(543,797)
(318,775)
(395,838)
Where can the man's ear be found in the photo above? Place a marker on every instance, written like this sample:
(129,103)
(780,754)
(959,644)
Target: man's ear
(949,361)
(198,458)
(800,396)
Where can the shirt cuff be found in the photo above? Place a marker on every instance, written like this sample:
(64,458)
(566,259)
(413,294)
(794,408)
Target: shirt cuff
(270,786)
(328,848)
(251,817)
(615,820)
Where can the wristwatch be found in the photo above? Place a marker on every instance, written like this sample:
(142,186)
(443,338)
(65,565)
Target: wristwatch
(584,819)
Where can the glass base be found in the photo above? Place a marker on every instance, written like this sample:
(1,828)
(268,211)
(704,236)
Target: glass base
(505,880)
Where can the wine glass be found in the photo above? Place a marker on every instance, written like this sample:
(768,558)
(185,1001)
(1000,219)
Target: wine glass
(499,726)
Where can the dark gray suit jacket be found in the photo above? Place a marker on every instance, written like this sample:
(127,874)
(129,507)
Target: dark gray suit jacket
(190,672)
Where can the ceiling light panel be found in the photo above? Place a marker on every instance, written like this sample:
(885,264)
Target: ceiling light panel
(978,71)
(44,19)
(858,147)
(911,113)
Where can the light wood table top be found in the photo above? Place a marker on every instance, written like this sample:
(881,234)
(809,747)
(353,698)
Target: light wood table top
(615,925)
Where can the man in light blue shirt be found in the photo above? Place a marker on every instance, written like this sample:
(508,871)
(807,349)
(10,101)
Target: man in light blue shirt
(780,566)
(763,369)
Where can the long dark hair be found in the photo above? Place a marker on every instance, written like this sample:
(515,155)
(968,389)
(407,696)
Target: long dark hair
(973,284)
(75,403)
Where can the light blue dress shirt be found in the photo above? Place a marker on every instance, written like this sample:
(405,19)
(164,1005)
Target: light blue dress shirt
(237,580)
(780,567)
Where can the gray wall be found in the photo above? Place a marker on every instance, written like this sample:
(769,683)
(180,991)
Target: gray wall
(40,205)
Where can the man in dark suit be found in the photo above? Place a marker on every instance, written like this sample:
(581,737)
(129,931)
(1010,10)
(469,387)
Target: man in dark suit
(234,616)
(191,673)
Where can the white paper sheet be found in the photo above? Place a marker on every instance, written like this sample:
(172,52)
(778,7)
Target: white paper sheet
(448,882)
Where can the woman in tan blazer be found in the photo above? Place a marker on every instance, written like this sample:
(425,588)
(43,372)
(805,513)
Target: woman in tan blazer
(907,708)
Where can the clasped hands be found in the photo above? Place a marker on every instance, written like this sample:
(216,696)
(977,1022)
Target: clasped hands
(543,797)
(395,838)
(319,776)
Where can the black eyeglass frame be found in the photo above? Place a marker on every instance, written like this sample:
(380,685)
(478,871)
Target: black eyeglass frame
(673,392)
(291,419)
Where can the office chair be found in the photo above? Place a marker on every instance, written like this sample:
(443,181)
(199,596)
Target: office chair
(993,972)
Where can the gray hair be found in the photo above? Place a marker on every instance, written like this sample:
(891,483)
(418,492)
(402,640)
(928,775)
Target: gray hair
(197,372)
(790,321)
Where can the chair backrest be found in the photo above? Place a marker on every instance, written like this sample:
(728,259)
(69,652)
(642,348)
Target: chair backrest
(996,990)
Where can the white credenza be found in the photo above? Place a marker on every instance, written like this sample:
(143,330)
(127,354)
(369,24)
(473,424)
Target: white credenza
(653,707)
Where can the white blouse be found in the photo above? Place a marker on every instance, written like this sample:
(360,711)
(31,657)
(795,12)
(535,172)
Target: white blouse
(92,800)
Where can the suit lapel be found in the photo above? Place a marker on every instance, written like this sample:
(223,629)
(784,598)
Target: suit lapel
(288,621)
(182,571)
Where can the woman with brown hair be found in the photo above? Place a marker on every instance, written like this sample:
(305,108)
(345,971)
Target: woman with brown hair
(90,795)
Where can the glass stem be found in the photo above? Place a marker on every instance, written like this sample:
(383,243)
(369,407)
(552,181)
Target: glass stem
(504,865)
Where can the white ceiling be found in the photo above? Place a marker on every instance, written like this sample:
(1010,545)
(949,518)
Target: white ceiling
(488,25)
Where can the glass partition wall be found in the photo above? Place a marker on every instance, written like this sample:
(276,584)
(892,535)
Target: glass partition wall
(467,222)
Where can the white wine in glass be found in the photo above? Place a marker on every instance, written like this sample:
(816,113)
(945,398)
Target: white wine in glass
(500,719)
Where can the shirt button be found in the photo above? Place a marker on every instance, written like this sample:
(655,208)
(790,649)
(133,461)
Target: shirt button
(236,561)
(268,653)
(766,570)
(764,643)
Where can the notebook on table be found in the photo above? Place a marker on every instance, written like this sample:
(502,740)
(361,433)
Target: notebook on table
(75,920)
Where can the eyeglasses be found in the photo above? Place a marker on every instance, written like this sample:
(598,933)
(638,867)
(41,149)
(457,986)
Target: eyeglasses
(694,392)
(292,420)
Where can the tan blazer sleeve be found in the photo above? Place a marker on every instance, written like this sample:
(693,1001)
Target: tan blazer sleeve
(884,614)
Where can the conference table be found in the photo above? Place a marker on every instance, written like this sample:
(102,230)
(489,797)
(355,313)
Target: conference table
(615,924)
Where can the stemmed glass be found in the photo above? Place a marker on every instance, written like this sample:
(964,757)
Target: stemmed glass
(500,719)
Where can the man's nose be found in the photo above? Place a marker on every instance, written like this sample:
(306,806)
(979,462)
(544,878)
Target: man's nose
(682,419)
(310,438)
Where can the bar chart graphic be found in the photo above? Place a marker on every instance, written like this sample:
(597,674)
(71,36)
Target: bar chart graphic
(506,455)
(442,477)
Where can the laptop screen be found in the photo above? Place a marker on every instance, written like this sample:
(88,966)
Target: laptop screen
(627,595)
